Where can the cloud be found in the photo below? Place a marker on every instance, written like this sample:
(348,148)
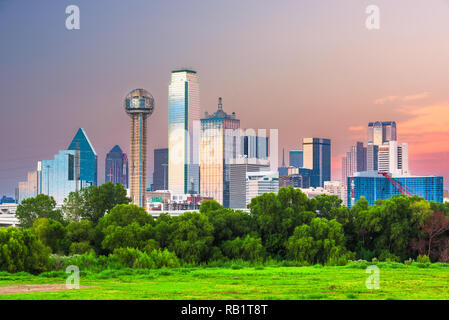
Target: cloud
(427,128)
(356,128)
(408,98)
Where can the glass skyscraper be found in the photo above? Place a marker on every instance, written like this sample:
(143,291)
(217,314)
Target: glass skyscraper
(160,173)
(296,158)
(317,157)
(116,167)
(374,186)
(58,177)
(70,170)
(87,157)
(381,131)
(219,143)
(183,132)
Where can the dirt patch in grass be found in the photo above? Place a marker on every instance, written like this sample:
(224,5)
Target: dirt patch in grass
(35,288)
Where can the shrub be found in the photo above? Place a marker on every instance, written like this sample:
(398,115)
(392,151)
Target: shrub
(80,247)
(423,259)
(20,250)
(137,259)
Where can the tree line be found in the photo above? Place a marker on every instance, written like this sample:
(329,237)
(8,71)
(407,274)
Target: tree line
(100,221)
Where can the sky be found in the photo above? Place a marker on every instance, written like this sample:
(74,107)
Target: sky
(307,68)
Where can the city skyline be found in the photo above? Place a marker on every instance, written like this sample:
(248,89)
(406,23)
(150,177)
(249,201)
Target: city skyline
(57,104)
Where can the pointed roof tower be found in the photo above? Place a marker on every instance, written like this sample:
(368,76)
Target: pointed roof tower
(88,156)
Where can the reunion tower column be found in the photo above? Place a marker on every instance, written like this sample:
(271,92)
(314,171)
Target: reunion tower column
(139,105)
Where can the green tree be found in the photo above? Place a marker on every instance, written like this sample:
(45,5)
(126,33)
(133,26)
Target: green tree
(191,237)
(41,206)
(322,242)
(52,234)
(389,225)
(247,248)
(229,224)
(94,202)
(278,215)
(73,207)
(126,225)
(81,235)
(20,250)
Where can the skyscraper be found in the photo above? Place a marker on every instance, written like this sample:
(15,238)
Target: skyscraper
(380,132)
(296,158)
(61,175)
(139,105)
(183,132)
(116,167)
(88,159)
(317,157)
(374,186)
(219,143)
(160,173)
(372,154)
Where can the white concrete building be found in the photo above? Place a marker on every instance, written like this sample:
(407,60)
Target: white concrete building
(261,182)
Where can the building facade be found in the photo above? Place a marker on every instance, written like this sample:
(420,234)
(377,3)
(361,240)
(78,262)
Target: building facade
(296,158)
(374,186)
(380,132)
(258,183)
(116,167)
(218,145)
(88,159)
(183,132)
(239,167)
(139,105)
(317,157)
(160,171)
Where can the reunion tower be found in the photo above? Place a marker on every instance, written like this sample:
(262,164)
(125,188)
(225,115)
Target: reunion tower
(139,105)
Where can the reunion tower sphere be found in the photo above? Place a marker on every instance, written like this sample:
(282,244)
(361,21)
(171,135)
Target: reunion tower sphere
(139,105)
(139,101)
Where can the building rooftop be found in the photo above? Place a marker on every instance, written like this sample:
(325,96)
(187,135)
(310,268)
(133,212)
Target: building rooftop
(183,70)
(374,174)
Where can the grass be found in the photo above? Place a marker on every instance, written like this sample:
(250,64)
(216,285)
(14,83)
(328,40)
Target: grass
(418,281)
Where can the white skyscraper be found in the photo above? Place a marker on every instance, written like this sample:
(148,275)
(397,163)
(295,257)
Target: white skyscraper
(183,132)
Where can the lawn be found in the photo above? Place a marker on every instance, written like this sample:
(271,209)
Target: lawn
(397,281)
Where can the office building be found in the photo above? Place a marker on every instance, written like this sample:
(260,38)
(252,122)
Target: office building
(258,183)
(116,167)
(139,105)
(183,132)
(218,145)
(296,158)
(88,159)
(61,175)
(254,145)
(372,156)
(239,167)
(160,169)
(373,186)
(317,157)
(28,188)
(69,171)
(354,161)
(380,132)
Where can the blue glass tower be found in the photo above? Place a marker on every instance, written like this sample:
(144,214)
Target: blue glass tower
(373,186)
(116,167)
(317,157)
(87,157)
(296,158)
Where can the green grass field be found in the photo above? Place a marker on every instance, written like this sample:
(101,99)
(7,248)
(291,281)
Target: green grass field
(396,282)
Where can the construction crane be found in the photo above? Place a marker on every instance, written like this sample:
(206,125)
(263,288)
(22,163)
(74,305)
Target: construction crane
(396,184)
